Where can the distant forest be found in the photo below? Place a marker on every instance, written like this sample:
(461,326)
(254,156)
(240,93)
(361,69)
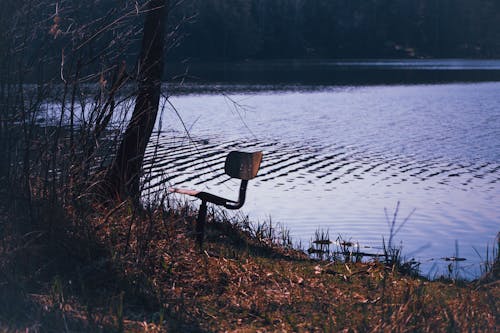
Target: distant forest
(45,39)
(266,29)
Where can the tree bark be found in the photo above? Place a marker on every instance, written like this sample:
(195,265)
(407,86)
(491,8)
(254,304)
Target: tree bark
(122,178)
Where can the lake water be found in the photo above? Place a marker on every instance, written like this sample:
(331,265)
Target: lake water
(337,154)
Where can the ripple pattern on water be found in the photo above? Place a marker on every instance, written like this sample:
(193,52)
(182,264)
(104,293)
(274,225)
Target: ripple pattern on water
(181,162)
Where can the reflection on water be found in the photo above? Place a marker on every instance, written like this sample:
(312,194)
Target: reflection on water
(420,64)
(335,157)
(339,72)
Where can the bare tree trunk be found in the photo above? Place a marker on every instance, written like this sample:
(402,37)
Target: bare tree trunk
(122,179)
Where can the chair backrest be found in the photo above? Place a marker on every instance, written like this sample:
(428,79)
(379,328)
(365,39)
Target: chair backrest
(243,165)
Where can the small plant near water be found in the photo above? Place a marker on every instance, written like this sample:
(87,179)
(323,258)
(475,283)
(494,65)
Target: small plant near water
(347,251)
(490,264)
(393,259)
(340,250)
(392,254)
(271,233)
(320,246)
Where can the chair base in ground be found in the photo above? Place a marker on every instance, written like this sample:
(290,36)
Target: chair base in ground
(239,165)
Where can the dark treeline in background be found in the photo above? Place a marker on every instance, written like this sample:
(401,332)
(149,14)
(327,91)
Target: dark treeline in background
(236,30)
(263,29)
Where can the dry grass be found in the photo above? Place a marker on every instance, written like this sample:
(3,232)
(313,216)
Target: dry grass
(69,265)
(127,270)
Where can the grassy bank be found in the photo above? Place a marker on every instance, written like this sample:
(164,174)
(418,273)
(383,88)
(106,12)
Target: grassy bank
(120,269)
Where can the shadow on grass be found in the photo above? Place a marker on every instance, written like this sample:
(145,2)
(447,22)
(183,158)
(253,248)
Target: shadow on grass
(58,277)
(240,241)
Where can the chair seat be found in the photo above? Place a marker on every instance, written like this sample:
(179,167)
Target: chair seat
(204,196)
(192,193)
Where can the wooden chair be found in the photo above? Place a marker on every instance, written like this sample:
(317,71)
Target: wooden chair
(239,165)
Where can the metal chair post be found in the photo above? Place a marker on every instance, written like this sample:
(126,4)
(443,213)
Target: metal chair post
(200,223)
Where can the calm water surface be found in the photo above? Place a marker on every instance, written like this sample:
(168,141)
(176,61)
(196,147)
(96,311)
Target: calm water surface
(336,156)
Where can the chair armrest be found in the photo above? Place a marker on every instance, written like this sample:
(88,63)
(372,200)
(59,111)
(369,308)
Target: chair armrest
(204,196)
(192,193)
